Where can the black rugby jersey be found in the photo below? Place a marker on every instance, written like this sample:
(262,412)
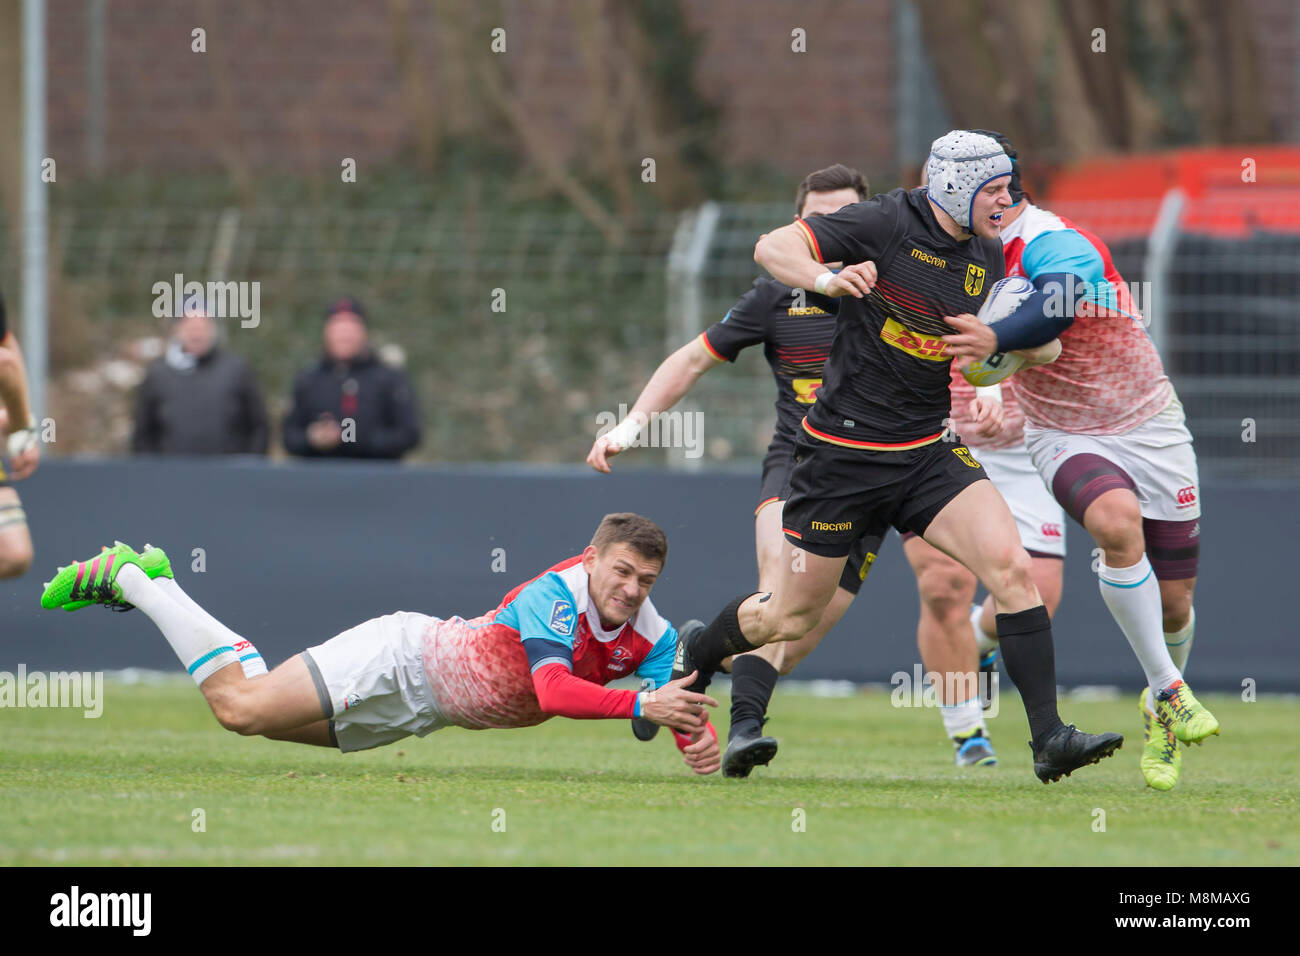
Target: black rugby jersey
(795,328)
(886,381)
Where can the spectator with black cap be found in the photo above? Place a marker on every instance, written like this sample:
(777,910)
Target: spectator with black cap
(350,404)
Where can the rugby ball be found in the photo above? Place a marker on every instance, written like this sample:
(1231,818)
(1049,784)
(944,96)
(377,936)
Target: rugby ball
(1003,299)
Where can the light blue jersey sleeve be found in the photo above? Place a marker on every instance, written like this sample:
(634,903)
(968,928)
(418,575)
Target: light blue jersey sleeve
(658,664)
(1066,251)
(545,615)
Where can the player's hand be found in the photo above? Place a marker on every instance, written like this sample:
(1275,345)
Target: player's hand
(24,451)
(703,755)
(674,706)
(601,451)
(23,464)
(324,433)
(973,342)
(988,415)
(855,280)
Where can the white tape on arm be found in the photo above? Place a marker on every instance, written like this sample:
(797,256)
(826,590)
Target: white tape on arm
(823,281)
(624,433)
(989,391)
(22,440)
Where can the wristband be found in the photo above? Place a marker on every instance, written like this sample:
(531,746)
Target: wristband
(22,440)
(989,391)
(823,281)
(625,434)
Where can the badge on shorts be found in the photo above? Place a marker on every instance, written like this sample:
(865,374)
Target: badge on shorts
(562,618)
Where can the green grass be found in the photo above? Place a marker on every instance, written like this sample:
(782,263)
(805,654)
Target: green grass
(876,784)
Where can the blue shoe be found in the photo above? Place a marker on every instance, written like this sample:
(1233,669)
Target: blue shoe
(974,750)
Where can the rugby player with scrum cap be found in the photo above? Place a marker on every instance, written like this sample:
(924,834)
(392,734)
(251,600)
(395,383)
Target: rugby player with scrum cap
(871,452)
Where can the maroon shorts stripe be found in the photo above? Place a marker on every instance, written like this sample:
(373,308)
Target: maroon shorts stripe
(1083,479)
(1173,548)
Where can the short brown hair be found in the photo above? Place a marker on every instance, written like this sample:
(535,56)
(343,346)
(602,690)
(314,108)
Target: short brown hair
(642,534)
(828,180)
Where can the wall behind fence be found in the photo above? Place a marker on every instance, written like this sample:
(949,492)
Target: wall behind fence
(294,554)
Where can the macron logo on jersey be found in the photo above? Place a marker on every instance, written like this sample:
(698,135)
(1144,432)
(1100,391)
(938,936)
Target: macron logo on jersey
(563,618)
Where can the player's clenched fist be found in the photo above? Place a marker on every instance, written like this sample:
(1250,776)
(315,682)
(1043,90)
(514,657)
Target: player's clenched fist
(701,750)
(988,416)
(674,706)
(855,280)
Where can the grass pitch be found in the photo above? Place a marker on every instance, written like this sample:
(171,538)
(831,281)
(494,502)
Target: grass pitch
(856,782)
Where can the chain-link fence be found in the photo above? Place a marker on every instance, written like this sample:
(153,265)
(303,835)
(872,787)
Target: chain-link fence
(514,330)
(517,331)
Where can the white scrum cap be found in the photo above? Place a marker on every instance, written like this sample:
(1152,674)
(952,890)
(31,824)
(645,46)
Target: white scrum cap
(960,164)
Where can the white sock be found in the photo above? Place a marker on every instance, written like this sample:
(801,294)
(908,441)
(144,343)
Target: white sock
(961,719)
(249,658)
(1180,642)
(1133,596)
(983,643)
(202,650)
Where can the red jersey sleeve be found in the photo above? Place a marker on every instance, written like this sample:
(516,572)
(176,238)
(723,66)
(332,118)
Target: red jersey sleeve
(562,694)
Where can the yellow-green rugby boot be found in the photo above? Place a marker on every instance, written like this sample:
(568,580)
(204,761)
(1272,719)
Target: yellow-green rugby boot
(1185,715)
(1161,761)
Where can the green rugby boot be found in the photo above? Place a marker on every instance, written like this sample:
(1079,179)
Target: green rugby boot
(1161,761)
(153,561)
(93,581)
(1185,715)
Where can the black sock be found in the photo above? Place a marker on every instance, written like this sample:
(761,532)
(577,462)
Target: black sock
(720,639)
(1026,642)
(752,682)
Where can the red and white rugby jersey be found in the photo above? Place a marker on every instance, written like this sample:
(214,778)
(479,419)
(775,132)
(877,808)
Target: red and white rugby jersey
(479,671)
(1013,421)
(1109,378)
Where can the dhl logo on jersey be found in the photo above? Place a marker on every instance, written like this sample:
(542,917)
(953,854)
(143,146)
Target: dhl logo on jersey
(805,390)
(928,347)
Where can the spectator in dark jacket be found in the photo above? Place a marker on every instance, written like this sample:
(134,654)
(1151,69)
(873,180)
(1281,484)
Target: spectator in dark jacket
(199,399)
(350,404)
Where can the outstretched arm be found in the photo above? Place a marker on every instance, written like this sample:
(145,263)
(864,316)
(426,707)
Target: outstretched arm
(674,377)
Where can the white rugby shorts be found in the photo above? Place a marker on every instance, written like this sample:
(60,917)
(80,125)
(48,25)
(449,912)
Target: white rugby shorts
(372,683)
(1157,455)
